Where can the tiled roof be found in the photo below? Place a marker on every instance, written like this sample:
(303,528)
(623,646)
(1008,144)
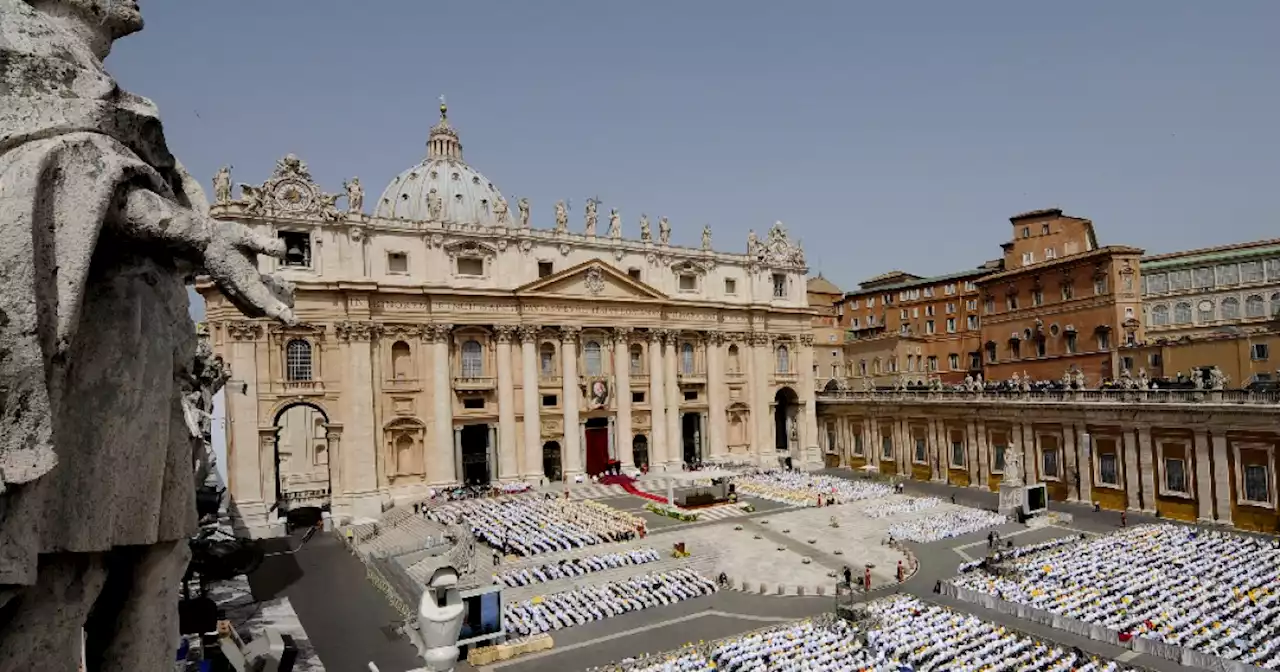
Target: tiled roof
(1037,213)
(1064,261)
(821,285)
(920,282)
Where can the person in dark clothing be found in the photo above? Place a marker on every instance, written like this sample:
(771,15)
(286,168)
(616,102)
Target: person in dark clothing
(991,539)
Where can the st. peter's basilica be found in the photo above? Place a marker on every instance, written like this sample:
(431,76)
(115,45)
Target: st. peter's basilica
(448,338)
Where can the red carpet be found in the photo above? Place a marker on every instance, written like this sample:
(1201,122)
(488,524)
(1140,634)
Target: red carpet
(628,484)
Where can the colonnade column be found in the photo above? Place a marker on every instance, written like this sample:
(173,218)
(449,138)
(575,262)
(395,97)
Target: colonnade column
(360,468)
(808,433)
(1221,478)
(1146,467)
(508,467)
(532,471)
(715,393)
(675,452)
(443,468)
(622,395)
(572,453)
(657,407)
(1204,486)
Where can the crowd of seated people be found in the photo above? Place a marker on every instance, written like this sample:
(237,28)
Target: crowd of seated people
(1213,592)
(1016,552)
(530,525)
(569,567)
(945,525)
(592,603)
(903,634)
(884,509)
(800,488)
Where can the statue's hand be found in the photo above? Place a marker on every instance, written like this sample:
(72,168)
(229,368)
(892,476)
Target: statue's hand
(230,257)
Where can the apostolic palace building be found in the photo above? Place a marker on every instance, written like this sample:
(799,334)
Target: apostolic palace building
(453,336)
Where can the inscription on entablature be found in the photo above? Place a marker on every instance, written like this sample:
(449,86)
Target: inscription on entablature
(472,307)
(399,305)
(693,316)
(592,309)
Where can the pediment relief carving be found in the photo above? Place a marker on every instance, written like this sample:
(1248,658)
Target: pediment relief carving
(592,280)
(470,248)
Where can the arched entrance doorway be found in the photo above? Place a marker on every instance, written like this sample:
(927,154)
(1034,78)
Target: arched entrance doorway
(691,437)
(302,457)
(640,451)
(551,460)
(474,443)
(786,428)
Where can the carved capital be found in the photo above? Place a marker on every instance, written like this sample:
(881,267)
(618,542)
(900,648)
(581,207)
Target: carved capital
(657,335)
(760,338)
(529,332)
(715,337)
(505,332)
(358,331)
(437,333)
(806,340)
(244,330)
(570,334)
(621,335)
(735,336)
(670,336)
(403,331)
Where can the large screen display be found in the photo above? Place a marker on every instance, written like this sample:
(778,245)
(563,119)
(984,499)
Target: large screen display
(1037,498)
(483,616)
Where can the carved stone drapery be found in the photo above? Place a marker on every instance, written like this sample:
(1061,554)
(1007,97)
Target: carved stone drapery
(505,333)
(244,330)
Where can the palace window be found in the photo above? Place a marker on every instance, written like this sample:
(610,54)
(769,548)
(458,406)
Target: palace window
(783,357)
(730,286)
(875,366)
(957,453)
(297,359)
(1202,278)
(472,359)
(1011,302)
(472,266)
(779,286)
(297,249)
(1108,469)
(1160,316)
(397,262)
(1206,311)
(688,282)
(1068,291)
(973,322)
(857,442)
(953,361)
(636,354)
(547,359)
(1231,308)
(634,274)
(1257,483)
(1015,349)
(545,268)
(951,325)
(1254,306)
(989,306)
(1104,340)
(686,359)
(1157,284)
(1179,281)
(928,327)
(975,361)
(999,459)
(1275,305)
(1228,274)
(1182,313)
(1175,475)
(592,363)
(1100,285)
(1259,352)
(1037,297)
(991,352)
(933,362)
(1273,269)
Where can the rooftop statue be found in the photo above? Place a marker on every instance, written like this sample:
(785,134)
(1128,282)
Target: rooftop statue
(706,237)
(591,217)
(222,185)
(615,224)
(646,234)
(562,217)
(355,195)
(664,231)
(102,227)
(500,210)
(523,206)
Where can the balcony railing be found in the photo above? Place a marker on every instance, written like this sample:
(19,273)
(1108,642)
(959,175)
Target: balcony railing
(402,384)
(545,380)
(474,383)
(786,377)
(694,376)
(1061,396)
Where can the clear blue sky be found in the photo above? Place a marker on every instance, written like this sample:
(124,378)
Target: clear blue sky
(886,135)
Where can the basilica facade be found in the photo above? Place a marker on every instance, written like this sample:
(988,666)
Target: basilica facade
(448,338)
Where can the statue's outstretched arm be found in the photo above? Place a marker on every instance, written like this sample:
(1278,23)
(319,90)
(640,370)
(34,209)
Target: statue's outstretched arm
(226,250)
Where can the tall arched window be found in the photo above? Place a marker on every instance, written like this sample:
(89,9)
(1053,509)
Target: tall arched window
(686,359)
(1160,315)
(591,358)
(1254,306)
(297,360)
(862,367)
(401,361)
(637,359)
(472,359)
(1231,308)
(1275,305)
(1182,313)
(784,359)
(875,366)
(547,359)
(734,364)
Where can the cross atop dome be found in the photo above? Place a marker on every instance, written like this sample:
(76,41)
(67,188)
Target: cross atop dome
(443,142)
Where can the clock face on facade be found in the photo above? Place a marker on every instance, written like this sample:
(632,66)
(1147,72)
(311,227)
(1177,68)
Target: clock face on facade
(1206,306)
(292,195)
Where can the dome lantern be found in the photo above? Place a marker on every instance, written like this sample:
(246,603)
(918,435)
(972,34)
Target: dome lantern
(443,141)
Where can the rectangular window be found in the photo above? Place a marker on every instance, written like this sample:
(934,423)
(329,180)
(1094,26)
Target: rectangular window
(1108,469)
(297,246)
(397,262)
(470,266)
(1104,340)
(871,302)
(549,400)
(730,286)
(1011,301)
(1179,281)
(546,268)
(1028,258)
(1273,269)
(688,282)
(637,397)
(853,304)
(1175,475)
(1229,274)
(1259,352)
(902,314)
(1070,339)
(920,450)
(857,323)
(1000,450)
(971,304)
(857,441)
(1037,298)
(474,403)
(1257,483)
(933,362)
(1126,363)
(975,361)
(779,286)
(973,322)
(1050,463)
(969,286)
(634,273)
(1050,253)
(691,395)
(1157,284)
(1202,278)
(886,447)
(928,327)
(928,310)
(990,306)
(953,361)
(1100,286)
(637,360)
(950,289)
(951,308)
(957,453)
(1068,291)
(951,325)
(1044,229)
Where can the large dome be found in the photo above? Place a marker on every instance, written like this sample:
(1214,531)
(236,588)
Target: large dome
(443,188)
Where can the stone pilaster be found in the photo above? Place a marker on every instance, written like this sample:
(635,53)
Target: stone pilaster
(670,356)
(1132,483)
(761,372)
(360,467)
(572,453)
(1067,453)
(622,395)
(1146,466)
(532,467)
(1204,479)
(442,463)
(1084,459)
(718,429)
(811,456)
(1221,479)
(657,402)
(984,456)
(508,464)
(244,468)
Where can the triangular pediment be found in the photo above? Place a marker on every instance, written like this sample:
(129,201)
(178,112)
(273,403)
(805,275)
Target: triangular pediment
(591,280)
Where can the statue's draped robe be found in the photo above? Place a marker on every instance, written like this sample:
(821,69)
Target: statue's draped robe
(95,338)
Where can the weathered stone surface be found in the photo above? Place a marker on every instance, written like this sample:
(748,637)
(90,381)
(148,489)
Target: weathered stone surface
(101,229)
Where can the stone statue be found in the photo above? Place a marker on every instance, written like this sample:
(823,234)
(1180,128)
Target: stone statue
(208,374)
(523,206)
(978,385)
(1079,379)
(753,244)
(1217,379)
(706,237)
(664,231)
(1198,379)
(328,206)
(222,185)
(252,199)
(646,234)
(1144,382)
(1015,381)
(1012,465)
(97,461)
(562,217)
(968,382)
(615,224)
(435,205)
(1026,382)
(355,195)
(1066,379)
(1126,380)
(500,210)
(591,217)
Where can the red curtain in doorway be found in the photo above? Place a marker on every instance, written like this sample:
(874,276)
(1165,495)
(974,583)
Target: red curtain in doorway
(597,449)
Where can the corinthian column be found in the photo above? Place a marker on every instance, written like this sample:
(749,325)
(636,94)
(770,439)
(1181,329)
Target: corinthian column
(715,393)
(675,451)
(808,397)
(507,462)
(441,469)
(360,466)
(622,393)
(762,366)
(571,458)
(529,388)
(657,410)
